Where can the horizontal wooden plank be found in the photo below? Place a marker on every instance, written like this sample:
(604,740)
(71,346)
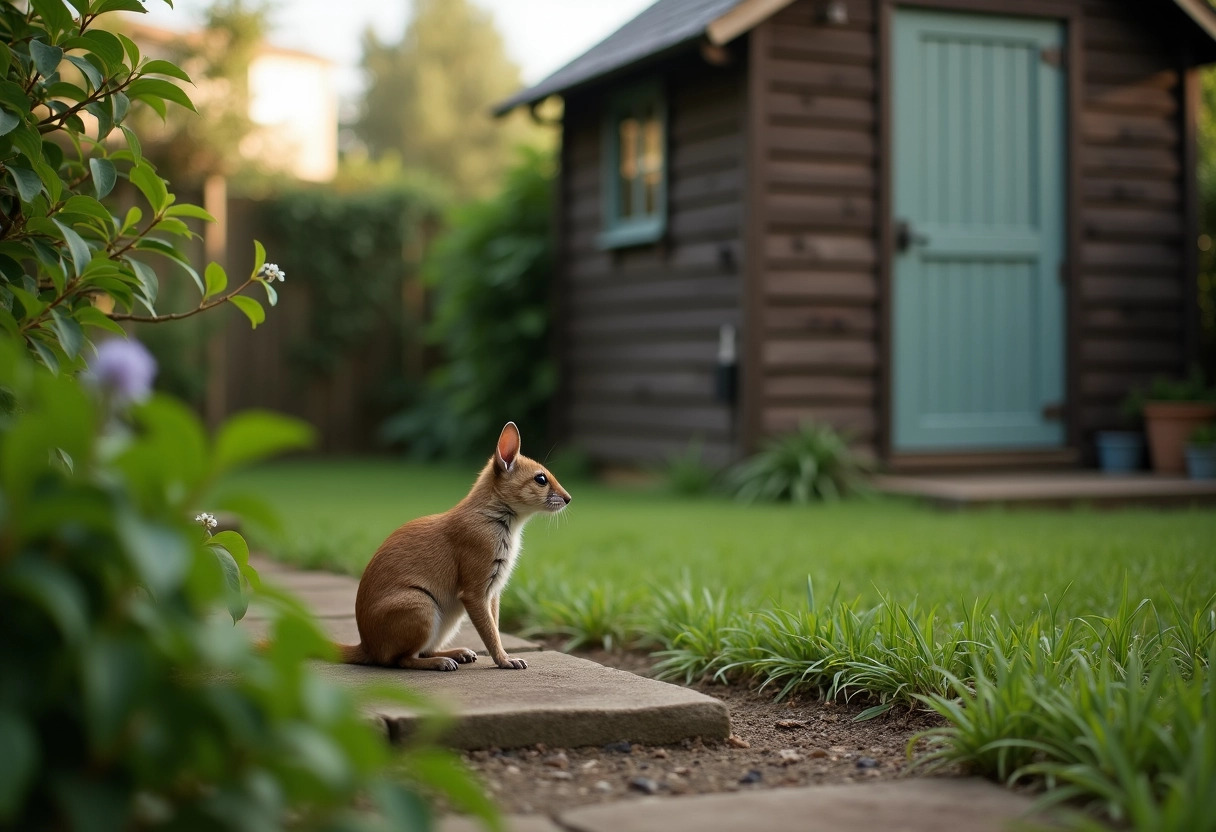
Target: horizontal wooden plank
(686,354)
(819,249)
(860,15)
(1125,352)
(1132,224)
(859,287)
(717,153)
(860,422)
(816,319)
(1134,98)
(820,389)
(1129,130)
(641,383)
(641,321)
(792,141)
(713,420)
(1102,288)
(820,77)
(1130,319)
(801,175)
(714,186)
(828,44)
(789,107)
(1113,385)
(836,354)
(1100,160)
(717,221)
(1106,67)
(1122,191)
(660,288)
(1128,257)
(816,212)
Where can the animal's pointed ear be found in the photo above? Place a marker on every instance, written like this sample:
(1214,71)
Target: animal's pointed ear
(508,447)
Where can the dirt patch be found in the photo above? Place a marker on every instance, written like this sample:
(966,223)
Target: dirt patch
(796,742)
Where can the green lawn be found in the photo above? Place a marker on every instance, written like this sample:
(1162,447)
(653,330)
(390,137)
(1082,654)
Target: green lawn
(1068,648)
(336,513)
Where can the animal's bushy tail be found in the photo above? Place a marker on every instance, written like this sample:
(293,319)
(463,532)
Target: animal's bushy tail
(352,654)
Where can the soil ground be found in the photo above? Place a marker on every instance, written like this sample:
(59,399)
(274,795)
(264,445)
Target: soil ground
(795,742)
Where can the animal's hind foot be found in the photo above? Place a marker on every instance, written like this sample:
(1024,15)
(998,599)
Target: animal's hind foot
(461,654)
(429,663)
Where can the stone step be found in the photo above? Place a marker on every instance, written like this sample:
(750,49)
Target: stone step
(559,700)
(929,804)
(344,631)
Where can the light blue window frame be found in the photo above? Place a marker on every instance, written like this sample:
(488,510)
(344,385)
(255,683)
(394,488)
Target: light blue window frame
(633,225)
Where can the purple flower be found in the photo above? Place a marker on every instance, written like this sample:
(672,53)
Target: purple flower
(123,370)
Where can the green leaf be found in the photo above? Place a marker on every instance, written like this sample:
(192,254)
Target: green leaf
(46,58)
(71,336)
(8,122)
(252,309)
(87,69)
(217,279)
(256,435)
(259,257)
(165,68)
(156,551)
(112,676)
(185,209)
(133,143)
(55,591)
(238,603)
(104,176)
(81,253)
(102,44)
(28,183)
(149,283)
(151,186)
(54,14)
(151,89)
(131,48)
(18,761)
(134,215)
(14,95)
(272,294)
(91,316)
(122,6)
(81,6)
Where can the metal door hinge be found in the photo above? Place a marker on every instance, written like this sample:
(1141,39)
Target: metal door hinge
(1053,56)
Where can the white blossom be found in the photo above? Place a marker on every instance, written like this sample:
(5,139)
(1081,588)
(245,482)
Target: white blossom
(207,521)
(270,272)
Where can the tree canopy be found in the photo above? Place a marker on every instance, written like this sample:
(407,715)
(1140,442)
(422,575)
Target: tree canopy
(429,96)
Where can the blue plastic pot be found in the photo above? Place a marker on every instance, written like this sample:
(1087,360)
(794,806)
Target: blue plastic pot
(1119,451)
(1201,462)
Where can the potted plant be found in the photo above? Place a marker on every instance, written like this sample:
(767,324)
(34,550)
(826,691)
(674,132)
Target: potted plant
(1121,451)
(1201,453)
(1173,409)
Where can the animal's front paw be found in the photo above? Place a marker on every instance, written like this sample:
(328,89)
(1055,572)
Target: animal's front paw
(446,664)
(508,663)
(465,656)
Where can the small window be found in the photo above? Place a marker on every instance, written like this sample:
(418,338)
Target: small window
(635,168)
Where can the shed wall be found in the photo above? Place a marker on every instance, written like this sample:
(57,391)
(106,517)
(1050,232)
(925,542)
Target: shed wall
(640,325)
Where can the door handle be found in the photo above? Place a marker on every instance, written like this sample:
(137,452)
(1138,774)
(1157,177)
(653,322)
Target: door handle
(906,237)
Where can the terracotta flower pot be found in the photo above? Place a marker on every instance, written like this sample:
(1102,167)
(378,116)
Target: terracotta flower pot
(1169,426)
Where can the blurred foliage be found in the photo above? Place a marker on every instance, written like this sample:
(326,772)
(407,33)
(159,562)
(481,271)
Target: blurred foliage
(429,97)
(814,463)
(1192,388)
(491,274)
(127,698)
(69,267)
(353,253)
(688,474)
(1207,217)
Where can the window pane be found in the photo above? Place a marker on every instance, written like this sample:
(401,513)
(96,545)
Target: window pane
(652,162)
(628,166)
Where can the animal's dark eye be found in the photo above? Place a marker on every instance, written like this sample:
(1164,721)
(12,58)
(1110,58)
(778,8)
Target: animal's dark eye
(541,479)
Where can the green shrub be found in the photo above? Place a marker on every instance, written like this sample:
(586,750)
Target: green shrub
(814,463)
(491,273)
(1192,388)
(126,698)
(1204,436)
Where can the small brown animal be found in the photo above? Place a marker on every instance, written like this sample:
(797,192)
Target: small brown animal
(431,571)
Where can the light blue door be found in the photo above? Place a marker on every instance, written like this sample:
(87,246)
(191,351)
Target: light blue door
(978,177)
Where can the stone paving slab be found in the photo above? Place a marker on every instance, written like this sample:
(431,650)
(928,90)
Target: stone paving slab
(345,631)
(933,804)
(510,823)
(560,700)
(1057,488)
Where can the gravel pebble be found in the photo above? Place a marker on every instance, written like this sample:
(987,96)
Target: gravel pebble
(644,785)
(738,741)
(753,776)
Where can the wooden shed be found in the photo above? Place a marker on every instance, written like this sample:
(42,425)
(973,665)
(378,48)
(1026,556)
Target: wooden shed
(959,229)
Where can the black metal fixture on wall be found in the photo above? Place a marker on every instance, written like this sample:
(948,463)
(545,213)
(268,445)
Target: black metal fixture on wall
(726,380)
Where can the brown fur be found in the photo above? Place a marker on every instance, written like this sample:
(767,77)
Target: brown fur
(432,571)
